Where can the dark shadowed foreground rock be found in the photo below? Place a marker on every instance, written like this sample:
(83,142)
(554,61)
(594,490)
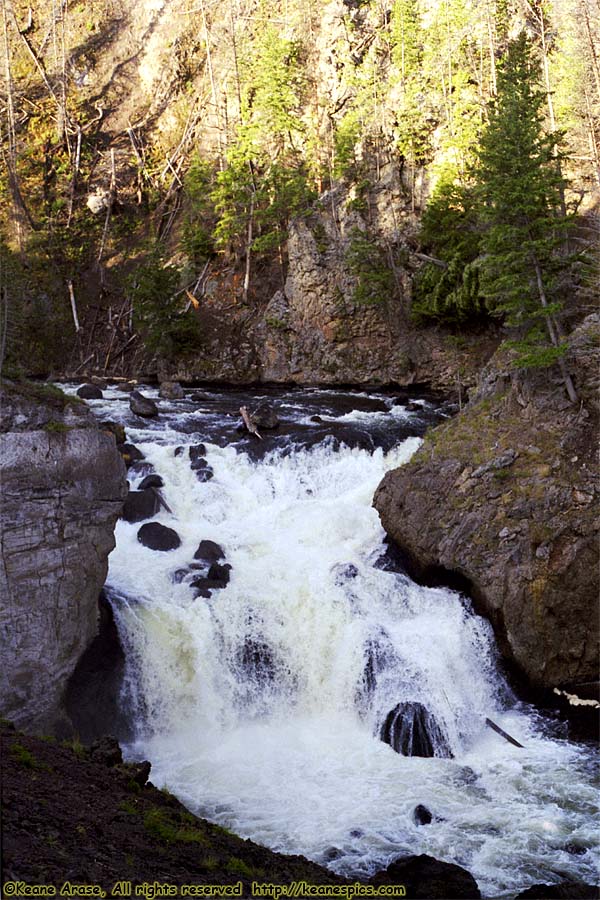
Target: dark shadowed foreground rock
(141,505)
(87,818)
(566,890)
(506,496)
(426,878)
(63,485)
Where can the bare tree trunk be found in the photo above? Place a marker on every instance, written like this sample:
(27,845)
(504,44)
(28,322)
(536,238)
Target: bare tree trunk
(249,248)
(554,331)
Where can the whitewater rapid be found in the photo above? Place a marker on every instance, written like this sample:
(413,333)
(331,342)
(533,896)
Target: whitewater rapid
(260,708)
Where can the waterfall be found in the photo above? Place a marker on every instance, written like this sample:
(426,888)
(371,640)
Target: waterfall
(314,701)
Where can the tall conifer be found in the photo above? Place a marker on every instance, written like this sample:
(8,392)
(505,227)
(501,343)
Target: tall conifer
(521,189)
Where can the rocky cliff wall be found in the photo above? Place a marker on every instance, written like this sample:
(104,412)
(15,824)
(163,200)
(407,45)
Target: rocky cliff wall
(62,484)
(506,495)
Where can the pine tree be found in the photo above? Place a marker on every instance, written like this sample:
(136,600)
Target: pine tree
(521,190)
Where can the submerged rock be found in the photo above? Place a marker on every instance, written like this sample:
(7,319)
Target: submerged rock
(426,878)
(219,574)
(90,392)
(411,730)
(142,406)
(158,537)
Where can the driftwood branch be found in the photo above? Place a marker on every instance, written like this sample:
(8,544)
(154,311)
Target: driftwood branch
(248,422)
(502,733)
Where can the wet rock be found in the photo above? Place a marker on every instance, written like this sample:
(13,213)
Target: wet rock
(130,453)
(171,390)
(575,849)
(158,537)
(421,815)
(332,853)
(392,559)
(219,575)
(264,416)
(128,386)
(566,890)
(202,587)
(317,419)
(345,572)
(201,397)
(106,751)
(151,481)
(204,474)
(179,451)
(196,454)
(90,392)
(426,878)
(142,406)
(140,505)
(411,730)
(357,833)
(115,428)
(102,383)
(209,552)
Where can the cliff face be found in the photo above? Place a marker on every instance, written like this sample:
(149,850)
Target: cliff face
(63,484)
(506,495)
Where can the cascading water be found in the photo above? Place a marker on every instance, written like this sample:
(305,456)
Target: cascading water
(262,707)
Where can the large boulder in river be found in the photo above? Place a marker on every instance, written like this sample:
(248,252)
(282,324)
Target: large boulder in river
(158,537)
(171,390)
(142,405)
(505,496)
(426,878)
(141,505)
(63,485)
(264,416)
(90,392)
(410,729)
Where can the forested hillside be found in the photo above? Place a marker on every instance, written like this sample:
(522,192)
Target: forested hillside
(284,189)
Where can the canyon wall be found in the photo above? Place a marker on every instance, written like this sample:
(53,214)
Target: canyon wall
(63,485)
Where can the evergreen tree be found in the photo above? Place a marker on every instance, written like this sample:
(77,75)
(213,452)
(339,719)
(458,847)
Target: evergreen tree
(521,185)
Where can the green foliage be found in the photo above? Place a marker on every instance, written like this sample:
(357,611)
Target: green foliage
(158,312)
(238,867)
(521,189)
(197,237)
(450,233)
(160,825)
(366,260)
(346,137)
(23,756)
(407,38)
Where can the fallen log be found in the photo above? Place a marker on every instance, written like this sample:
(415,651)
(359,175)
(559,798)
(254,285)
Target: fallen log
(248,422)
(507,737)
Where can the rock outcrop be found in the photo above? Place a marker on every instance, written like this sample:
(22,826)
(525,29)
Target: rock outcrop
(63,485)
(505,495)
